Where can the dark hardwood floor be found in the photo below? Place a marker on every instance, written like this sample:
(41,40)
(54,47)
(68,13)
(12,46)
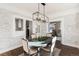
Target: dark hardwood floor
(67,50)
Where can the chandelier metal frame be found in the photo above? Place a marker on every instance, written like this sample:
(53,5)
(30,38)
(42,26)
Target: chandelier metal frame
(39,16)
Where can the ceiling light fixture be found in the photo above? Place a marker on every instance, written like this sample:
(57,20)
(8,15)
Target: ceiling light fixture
(39,16)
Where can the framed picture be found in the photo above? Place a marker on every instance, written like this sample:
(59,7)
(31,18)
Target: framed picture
(18,24)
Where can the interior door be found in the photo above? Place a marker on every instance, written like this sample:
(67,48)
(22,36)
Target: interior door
(28,29)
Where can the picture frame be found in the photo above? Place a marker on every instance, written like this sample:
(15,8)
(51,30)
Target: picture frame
(18,24)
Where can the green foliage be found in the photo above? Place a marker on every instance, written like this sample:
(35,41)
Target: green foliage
(41,38)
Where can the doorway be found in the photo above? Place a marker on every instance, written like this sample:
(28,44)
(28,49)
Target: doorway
(57,26)
(28,29)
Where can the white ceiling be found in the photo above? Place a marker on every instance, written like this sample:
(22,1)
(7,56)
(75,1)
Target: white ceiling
(51,8)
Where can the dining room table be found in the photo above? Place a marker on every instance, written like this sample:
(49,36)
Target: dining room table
(38,44)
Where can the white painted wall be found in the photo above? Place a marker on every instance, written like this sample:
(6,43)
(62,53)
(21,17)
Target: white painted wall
(43,28)
(9,38)
(70,32)
(69,27)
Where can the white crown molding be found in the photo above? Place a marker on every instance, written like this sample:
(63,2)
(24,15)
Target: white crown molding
(29,16)
(64,13)
(14,11)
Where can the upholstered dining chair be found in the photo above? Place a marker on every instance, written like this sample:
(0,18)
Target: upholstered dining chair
(53,45)
(29,51)
(33,36)
(51,49)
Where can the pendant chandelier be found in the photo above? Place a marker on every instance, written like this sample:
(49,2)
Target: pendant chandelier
(39,16)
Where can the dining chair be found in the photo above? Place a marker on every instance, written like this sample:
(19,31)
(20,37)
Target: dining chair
(33,36)
(51,48)
(29,51)
(48,35)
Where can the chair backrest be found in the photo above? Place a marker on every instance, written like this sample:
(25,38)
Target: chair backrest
(49,35)
(25,45)
(53,44)
(33,36)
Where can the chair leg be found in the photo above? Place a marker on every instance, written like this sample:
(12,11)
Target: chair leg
(38,51)
(25,54)
(51,54)
(34,54)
